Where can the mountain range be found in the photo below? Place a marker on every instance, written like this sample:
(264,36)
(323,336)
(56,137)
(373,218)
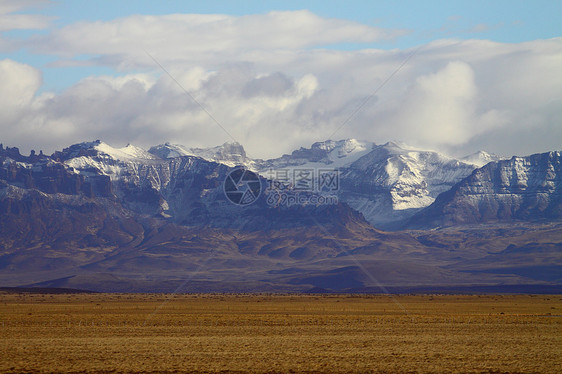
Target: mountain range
(125,219)
(383,182)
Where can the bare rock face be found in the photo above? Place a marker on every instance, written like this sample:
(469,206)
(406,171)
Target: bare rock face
(48,175)
(522,188)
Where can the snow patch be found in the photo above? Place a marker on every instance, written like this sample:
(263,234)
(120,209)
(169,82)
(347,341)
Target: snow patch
(129,152)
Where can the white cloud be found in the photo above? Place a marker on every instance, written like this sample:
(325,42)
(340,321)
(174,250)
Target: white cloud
(11,21)
(21,21)
(202,37)
(19,83)
(11,6)
(265,79)
(440,108)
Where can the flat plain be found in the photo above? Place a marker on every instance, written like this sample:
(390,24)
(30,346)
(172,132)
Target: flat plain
(280,333)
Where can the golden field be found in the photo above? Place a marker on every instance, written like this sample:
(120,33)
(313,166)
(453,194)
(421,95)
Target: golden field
(280,333)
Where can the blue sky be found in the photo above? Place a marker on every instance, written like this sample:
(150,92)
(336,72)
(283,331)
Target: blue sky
(283,74)
(509,21)
(516,20)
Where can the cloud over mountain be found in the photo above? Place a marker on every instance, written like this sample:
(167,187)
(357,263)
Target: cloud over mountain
(281,80)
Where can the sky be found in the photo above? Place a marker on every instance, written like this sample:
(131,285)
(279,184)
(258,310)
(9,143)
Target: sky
(455,76)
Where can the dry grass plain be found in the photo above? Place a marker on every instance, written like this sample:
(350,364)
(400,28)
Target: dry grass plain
(280,333)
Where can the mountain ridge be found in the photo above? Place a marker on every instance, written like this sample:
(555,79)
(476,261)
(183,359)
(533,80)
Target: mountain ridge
(116,219)
(386,183)
(518,188)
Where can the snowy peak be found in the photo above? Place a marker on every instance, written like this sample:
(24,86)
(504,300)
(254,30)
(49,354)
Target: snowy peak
(77,150)
(398,147)
(346,145)
(395,178)
(230,154)
(99,158)
(349,148)
(136,152)
(100,149)
(521,188)
(481,158)
(386,183)
(402,155)
(336,154)
(127,153)
(168,150)
(329,151)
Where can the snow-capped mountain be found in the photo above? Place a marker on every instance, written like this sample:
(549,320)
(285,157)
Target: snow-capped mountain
(385,183)
(229,154)
(143,218)
(143,181)
(394,180)
(521,188)
(187,189)
(335,154)
(94,158)
(481,158)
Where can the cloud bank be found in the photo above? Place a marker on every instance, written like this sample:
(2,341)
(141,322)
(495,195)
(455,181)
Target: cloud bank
(278,81)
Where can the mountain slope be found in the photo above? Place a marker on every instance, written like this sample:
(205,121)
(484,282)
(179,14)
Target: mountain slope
(392,181)
(229,154)
(522,188)
(334,154)
(96,217)
(386,183)
(481,158)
